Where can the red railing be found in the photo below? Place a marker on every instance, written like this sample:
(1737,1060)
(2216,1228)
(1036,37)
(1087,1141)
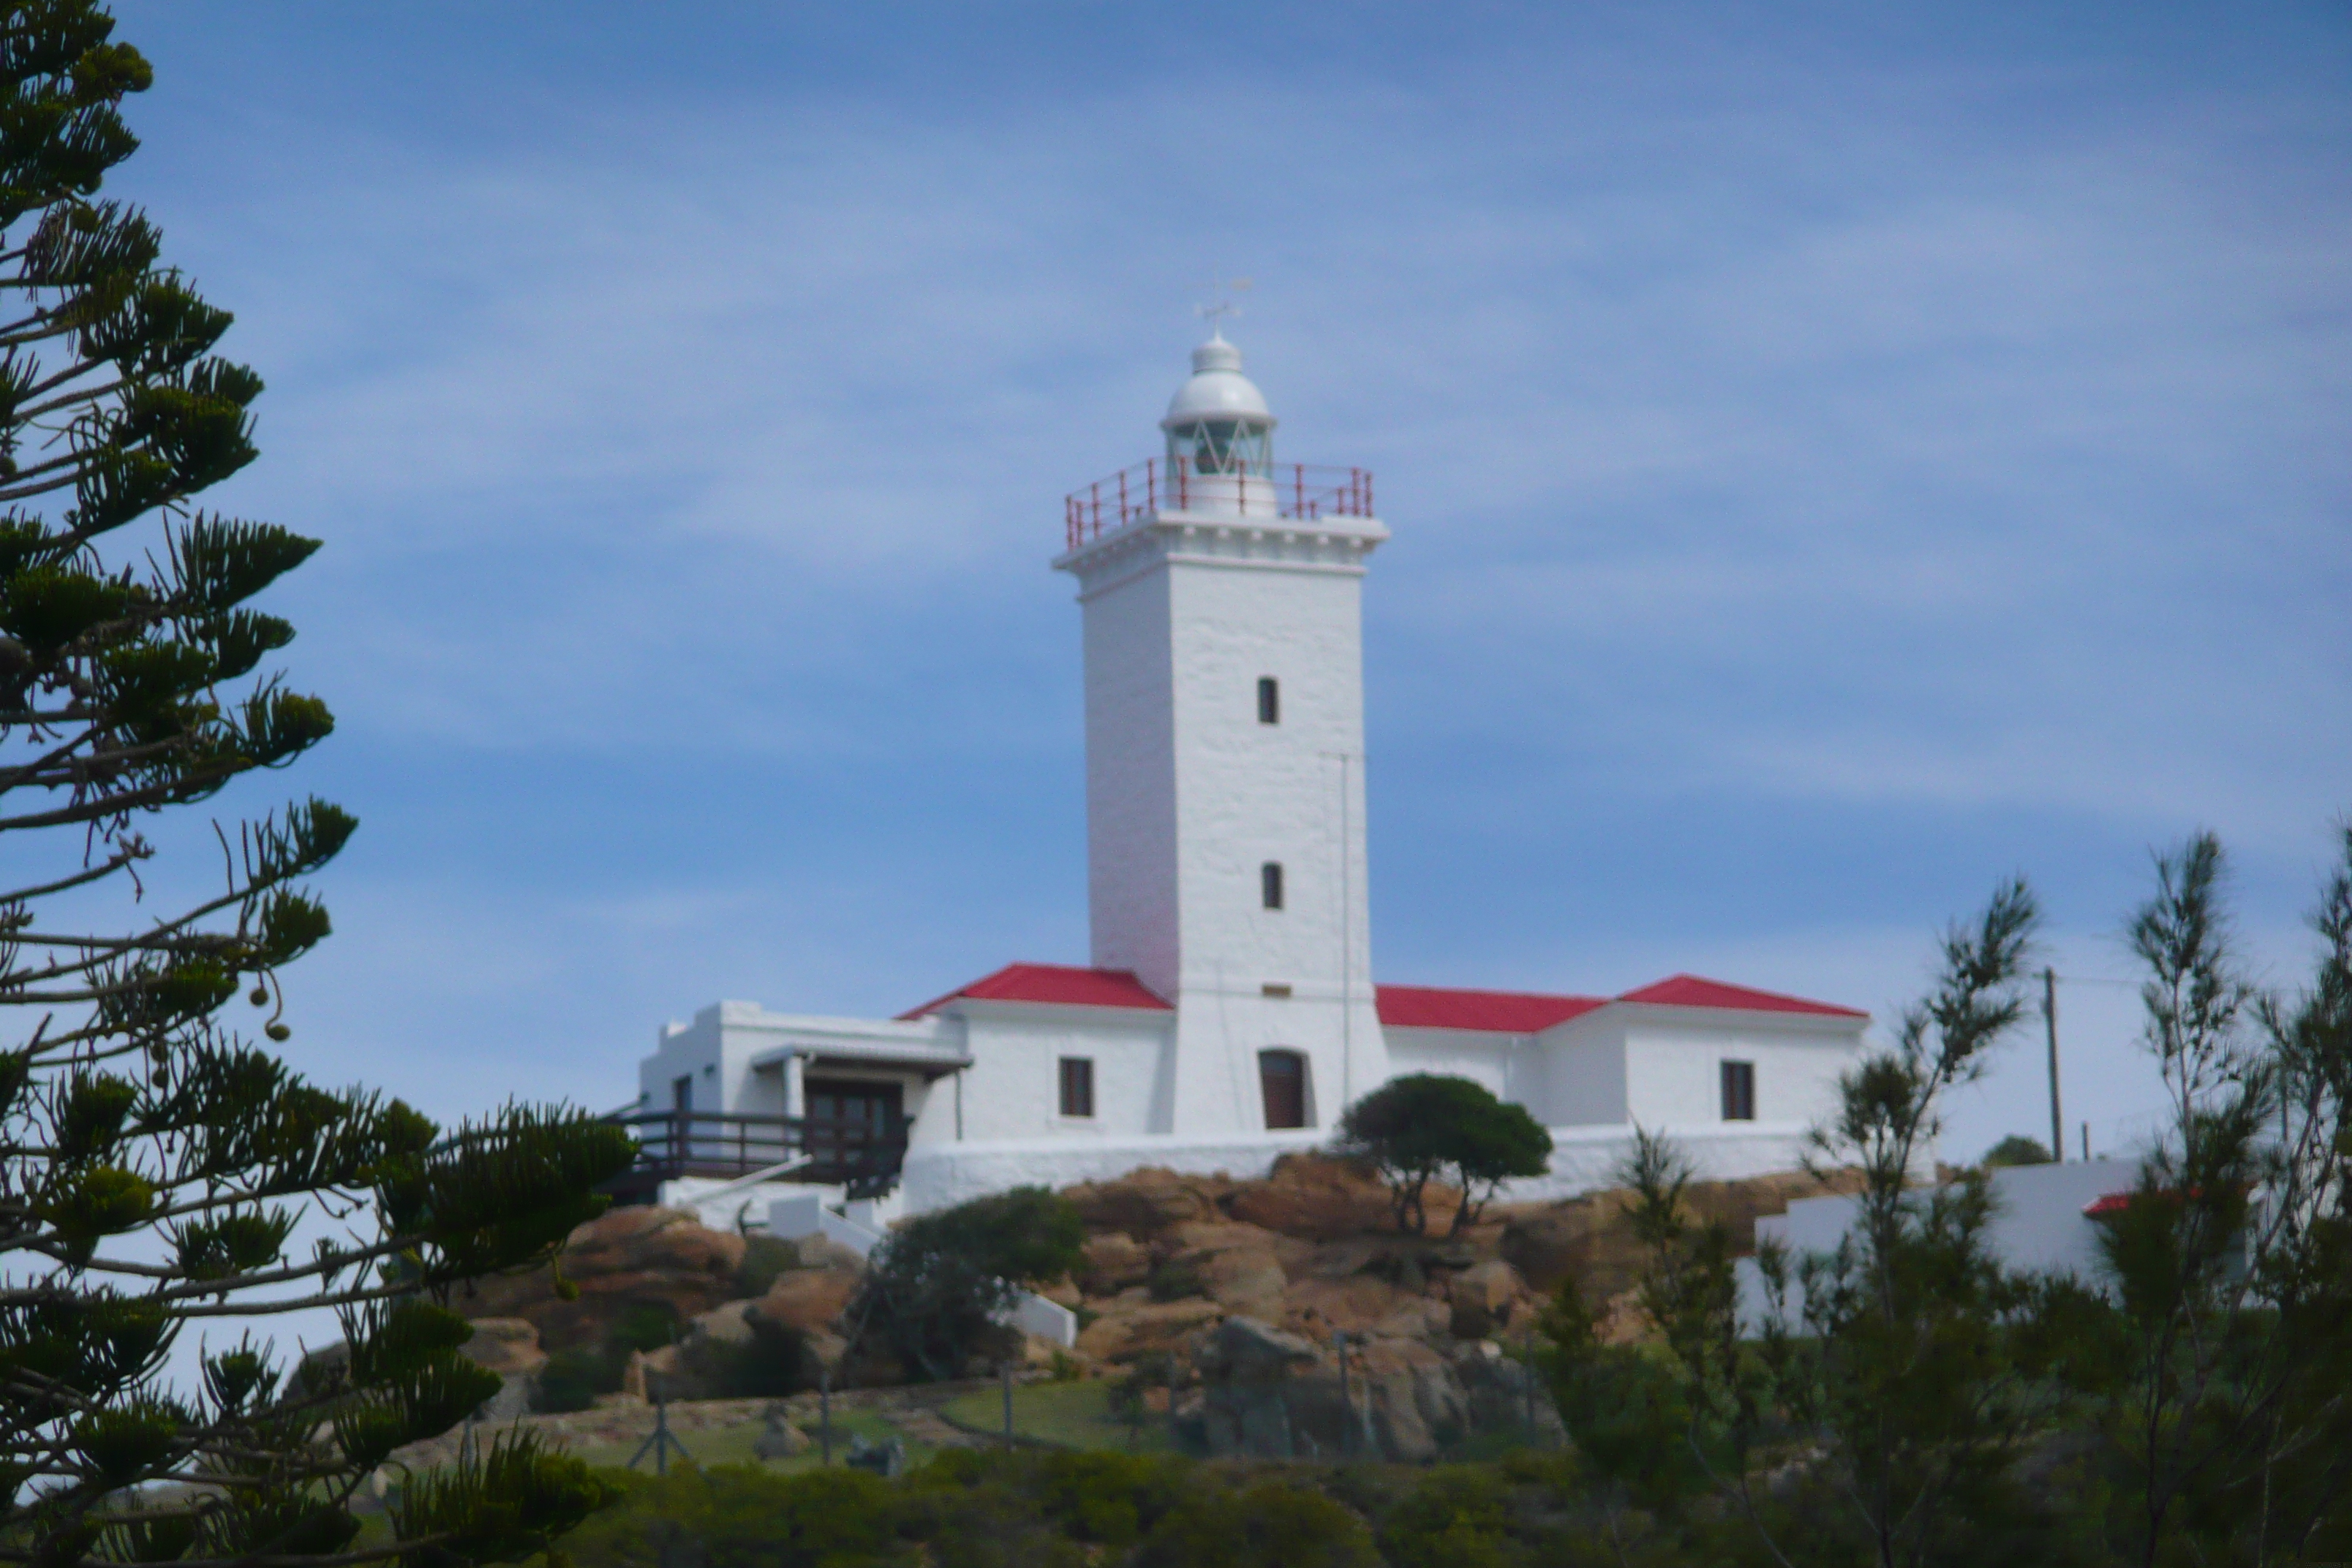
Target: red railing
(1294,490)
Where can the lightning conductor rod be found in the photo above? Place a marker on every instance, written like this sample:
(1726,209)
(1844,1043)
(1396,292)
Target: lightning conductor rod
(2049,1023)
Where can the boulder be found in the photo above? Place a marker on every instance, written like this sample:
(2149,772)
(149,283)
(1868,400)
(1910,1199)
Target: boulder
(1590,1239)
(1314,1197)
(625,1258)
(1246,1348)
(779,1438)
(821,1251)
(1131,1331)
(1144,1203)
(722,1325)
(1360,1304)
(508,1346)
(806,1299)
(1112,1262)
(1248,1281)
(1482,1298)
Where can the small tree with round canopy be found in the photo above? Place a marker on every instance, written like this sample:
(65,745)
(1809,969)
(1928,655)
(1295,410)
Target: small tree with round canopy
(1425,1126)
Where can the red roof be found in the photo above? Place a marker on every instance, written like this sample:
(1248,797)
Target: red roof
(1400,1006)
(1690,990)
(1529,1012)
(1057,984)
(1503,1011)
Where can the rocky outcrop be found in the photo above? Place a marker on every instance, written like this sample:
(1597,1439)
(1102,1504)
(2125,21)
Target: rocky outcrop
(1145,1203)
(1314,1198)
(508,1346)
(1266,1393)
(806,1300)
(625,1258)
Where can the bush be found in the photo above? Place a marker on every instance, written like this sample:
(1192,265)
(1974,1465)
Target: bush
(932,1291)
(572,1380)
(1417,1128)
(1275,1524)
(2017,1149)
(766,1259)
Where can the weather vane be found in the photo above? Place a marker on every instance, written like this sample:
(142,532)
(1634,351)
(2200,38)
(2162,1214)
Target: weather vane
(1221,303)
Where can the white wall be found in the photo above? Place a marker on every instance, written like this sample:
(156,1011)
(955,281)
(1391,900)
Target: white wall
(1584,1072)
(1190,794)
(1131,777)
(1516,1067)
(1012,1089)
(943,1177)
(1584,1159)
(2037,1225)
(1674,1056)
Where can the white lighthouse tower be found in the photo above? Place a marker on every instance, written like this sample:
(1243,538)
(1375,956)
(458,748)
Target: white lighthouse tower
(1226,758)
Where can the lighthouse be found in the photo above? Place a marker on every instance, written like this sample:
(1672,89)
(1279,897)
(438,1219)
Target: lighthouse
(1222,598)
(1227,1014)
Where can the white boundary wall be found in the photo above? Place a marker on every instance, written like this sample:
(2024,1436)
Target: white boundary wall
(1584,1159)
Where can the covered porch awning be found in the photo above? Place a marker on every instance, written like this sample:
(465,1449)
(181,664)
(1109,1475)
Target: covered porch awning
(842,1056)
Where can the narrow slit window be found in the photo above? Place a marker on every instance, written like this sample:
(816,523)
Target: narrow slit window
(1269,884)
(1078,1086)
(1739,1091)
(1269,700)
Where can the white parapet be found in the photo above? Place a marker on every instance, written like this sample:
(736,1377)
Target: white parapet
(1584,1160)
(946,1174)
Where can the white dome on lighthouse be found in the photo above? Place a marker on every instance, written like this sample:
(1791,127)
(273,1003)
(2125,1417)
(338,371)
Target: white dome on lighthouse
(1217,390)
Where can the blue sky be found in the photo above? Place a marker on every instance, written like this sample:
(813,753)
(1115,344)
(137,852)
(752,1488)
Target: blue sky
(1838,456)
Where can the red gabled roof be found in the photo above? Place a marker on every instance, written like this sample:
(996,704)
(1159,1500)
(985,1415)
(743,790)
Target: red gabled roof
(1690,990)
(1054,983)
(1500,1012)
(1530,1013)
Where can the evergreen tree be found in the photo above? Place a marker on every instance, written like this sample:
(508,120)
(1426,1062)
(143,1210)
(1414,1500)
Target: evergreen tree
(154,1163)
(2227,1399)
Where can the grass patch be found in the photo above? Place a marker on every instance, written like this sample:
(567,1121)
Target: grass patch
(1065,1415)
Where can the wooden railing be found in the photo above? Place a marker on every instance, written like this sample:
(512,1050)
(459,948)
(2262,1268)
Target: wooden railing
(864,1156)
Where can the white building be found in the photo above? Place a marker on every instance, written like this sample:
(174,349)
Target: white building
(1230,1010)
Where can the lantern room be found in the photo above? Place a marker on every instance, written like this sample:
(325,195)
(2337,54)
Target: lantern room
(1218,424)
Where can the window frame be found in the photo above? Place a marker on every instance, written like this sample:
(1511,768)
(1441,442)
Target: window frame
(1738,1085)
(1075,1080)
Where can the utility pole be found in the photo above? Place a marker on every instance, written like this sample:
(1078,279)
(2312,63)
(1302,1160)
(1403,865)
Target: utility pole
(2050,1020)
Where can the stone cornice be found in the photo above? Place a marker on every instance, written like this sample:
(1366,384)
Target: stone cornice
(1334,544)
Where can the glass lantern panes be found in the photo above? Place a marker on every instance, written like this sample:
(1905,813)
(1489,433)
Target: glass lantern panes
(1209,446)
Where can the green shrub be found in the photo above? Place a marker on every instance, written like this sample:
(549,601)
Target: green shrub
(765,1259)
(1425,1126)
(2017,1149)
(931,1291)
(572,1380)
(1275,1524)
(1174,1279)
(643,1326)
(775,1362)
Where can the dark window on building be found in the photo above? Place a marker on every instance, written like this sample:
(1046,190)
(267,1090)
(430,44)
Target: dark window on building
(1739,1091)
(681,1094)
(1269,700)
(853,1128)
(1282,1079)
(1078,1086)
(1269,884)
